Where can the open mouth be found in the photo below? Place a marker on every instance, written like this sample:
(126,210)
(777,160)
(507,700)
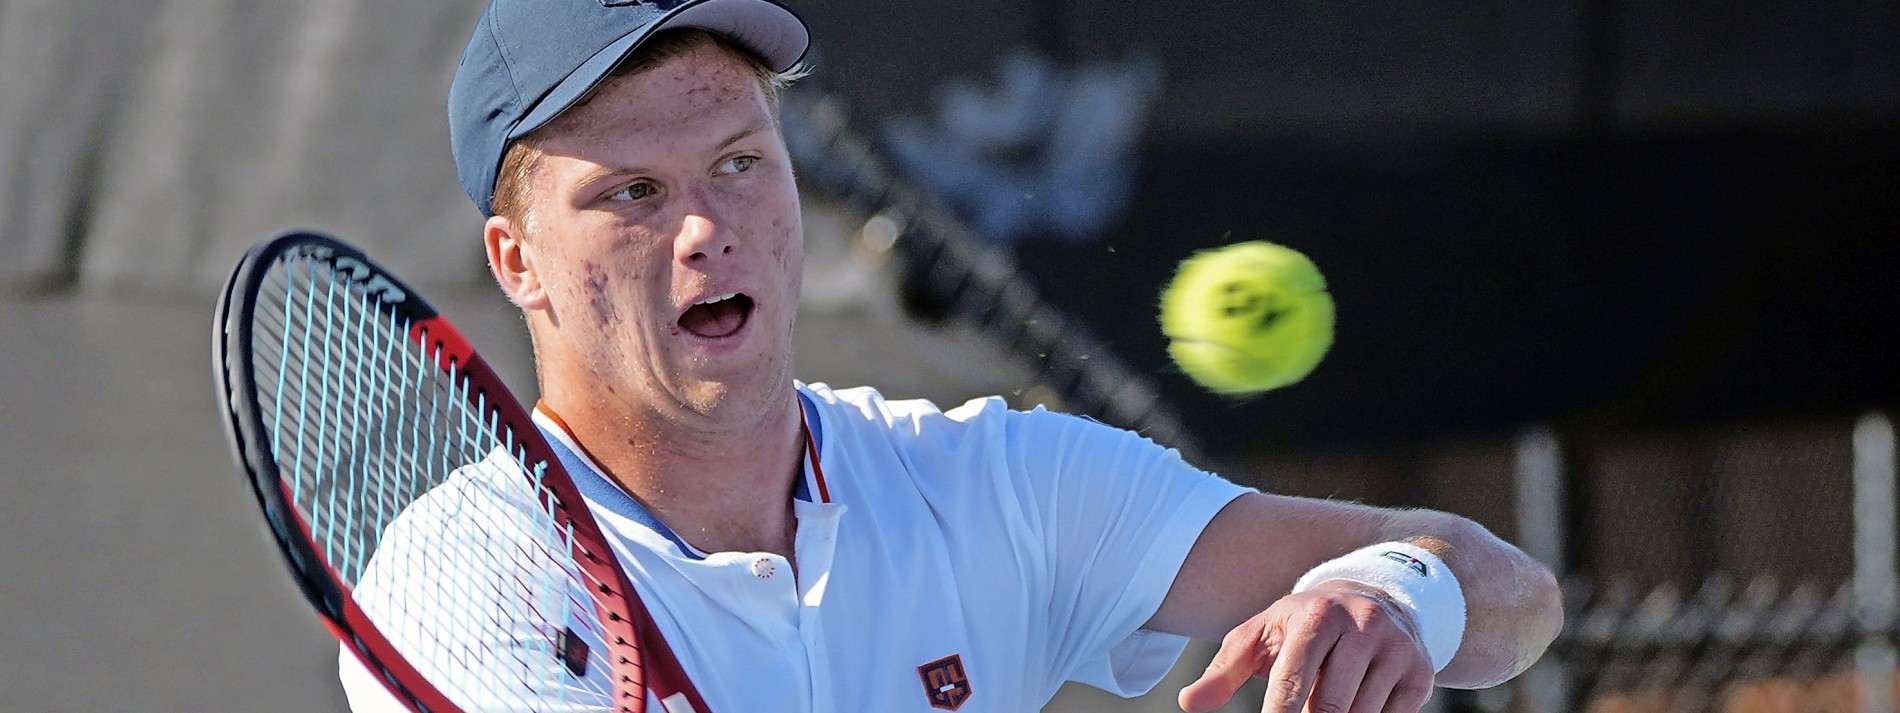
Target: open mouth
(717,316)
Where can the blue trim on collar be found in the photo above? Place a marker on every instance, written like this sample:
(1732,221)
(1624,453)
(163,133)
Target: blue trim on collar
(812,421)
(803,491)
(597,488)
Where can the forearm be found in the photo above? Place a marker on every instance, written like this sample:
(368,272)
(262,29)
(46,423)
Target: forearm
(1512,605)
(1255,549)
(1235,580)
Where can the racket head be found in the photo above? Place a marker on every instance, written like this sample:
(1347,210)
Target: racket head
(304,298)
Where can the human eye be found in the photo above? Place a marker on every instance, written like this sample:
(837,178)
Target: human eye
(738,164)
(633,192)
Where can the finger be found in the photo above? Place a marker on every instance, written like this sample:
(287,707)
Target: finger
(1410,693)
(1297,666)
(1376,689)
(1344,669)
(1243,653)
(1399,681)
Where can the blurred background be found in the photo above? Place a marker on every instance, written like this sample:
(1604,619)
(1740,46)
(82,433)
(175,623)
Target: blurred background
(1615,279)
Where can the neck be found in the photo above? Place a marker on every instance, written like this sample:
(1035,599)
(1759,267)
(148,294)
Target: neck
(723,485)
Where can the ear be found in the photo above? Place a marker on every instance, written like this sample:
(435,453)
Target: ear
(511,260)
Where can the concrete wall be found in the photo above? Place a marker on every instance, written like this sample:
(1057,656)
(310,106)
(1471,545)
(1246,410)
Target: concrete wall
(137,573)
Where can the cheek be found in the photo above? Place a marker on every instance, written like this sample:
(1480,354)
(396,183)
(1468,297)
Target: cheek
(780,199)
(789,249)
(594,282)
(778,222)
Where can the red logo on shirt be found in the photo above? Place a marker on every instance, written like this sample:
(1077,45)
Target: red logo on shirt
(945,682)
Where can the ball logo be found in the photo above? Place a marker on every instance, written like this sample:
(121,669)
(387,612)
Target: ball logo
(1409,561)
(1243,301)
(945,682)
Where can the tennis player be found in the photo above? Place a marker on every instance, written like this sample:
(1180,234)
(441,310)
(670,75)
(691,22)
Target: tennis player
(816,549)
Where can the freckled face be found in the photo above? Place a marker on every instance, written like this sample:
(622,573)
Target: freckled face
(665,225)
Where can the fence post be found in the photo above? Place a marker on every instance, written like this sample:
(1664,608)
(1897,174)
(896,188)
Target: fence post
(1540,532)
(1874,573)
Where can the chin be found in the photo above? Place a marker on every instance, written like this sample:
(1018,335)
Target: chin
(752,389)
(706,398)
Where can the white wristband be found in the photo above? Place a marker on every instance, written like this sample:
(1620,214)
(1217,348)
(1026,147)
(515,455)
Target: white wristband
(1417,580)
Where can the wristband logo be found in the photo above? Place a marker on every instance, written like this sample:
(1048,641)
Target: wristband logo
(1409,561)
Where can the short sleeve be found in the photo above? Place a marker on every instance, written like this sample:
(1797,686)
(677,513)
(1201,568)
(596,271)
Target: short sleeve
(1122,512)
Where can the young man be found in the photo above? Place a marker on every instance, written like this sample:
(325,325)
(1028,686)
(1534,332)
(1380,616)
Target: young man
(814,549)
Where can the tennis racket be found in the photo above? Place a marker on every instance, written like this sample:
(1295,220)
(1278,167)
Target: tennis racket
(421,511)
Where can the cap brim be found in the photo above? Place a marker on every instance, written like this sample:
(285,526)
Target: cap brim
(771,30)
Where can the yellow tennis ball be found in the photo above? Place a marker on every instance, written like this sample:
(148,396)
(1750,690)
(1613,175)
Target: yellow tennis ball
(1246,318)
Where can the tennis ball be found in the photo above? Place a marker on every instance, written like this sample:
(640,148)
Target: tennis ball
(1247,318)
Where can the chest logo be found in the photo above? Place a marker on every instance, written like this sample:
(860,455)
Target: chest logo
(945,682)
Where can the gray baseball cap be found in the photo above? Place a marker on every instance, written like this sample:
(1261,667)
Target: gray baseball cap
(529,60)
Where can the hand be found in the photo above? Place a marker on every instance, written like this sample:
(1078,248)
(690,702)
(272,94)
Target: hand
(1340,647)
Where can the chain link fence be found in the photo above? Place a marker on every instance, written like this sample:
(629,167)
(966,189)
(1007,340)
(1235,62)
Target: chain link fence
(1784,535)
(1732,645)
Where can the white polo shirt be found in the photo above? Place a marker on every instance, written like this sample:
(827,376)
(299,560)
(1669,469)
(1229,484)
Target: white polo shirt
(968,560)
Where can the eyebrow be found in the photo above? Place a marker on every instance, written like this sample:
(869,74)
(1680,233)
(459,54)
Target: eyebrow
(743,132)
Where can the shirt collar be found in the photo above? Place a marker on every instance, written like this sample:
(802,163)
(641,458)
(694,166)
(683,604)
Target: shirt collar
(592,480)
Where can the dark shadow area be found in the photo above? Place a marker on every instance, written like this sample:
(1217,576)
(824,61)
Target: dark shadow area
(1485,282)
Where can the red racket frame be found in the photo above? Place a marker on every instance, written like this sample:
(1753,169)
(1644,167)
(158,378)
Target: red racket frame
(642,660)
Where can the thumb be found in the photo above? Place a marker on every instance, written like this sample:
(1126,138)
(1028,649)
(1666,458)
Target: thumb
(1238,659)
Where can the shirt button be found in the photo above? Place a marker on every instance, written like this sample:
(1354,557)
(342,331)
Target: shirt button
(763,568)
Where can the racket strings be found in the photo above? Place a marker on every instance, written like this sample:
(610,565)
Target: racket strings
(417,497)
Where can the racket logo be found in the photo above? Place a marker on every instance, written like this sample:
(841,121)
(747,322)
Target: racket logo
(371,281)
(945,682)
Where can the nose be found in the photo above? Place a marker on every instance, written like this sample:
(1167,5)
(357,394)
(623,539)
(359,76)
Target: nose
(702,234)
